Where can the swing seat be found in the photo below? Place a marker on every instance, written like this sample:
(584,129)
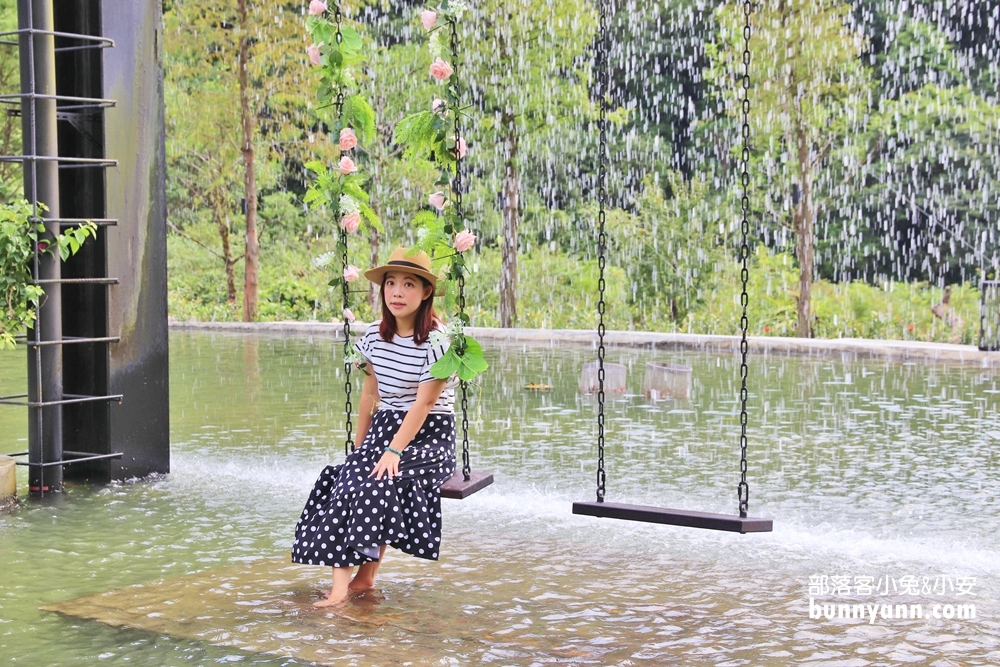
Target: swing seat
(670,517)
(458,487)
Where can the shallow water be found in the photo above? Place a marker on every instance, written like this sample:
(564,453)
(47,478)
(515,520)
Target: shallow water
(868,468)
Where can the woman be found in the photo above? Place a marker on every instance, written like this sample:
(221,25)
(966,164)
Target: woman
(387,490)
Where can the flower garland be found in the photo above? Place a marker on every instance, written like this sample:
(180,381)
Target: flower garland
(435,134)
(334,49)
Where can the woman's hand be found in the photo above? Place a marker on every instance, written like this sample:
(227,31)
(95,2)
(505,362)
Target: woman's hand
(388,465)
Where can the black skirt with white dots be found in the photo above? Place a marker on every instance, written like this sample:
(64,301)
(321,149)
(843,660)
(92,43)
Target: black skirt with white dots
(350,514)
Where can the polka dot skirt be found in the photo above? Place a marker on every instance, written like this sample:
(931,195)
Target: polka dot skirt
(349,515)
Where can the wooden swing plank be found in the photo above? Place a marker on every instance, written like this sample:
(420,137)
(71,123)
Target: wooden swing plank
(458,487)
(672,517)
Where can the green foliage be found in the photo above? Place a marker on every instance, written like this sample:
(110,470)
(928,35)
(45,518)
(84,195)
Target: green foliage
(467,365)
(19,236)
(556,291)
(669,248)
(899,123)
(359,115)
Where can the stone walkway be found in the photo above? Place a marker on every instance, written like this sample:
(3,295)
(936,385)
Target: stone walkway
(840,347)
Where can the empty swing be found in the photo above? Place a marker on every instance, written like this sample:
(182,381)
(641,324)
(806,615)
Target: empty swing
(673,517)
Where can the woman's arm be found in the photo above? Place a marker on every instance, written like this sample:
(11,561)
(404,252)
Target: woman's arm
(369,397)
(427,395)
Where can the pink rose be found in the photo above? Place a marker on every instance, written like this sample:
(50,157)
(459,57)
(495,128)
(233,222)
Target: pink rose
(460,147)
(317,7)
(428,18)
(437,200)
(347,166)
(351,273)
(464,240)
(437,106)
(313,52)
(351,222)
(440,70)
(348,139)
(348,315)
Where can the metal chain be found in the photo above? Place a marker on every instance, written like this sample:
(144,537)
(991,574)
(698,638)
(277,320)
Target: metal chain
(456,195)
(602,237)
(339,104)
(742,489)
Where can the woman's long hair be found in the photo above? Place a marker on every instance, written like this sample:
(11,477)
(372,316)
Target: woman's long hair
(423,324)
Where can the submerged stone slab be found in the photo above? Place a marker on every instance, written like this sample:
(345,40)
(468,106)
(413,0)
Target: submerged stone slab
(266,607)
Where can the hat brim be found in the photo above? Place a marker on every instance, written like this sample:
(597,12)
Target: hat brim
(378,273)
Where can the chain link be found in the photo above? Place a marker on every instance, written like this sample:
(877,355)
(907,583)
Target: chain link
(602,237)
(456,195)
(743,489)
(349,428)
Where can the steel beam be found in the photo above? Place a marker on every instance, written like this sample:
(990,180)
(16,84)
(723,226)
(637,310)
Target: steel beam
(41,186)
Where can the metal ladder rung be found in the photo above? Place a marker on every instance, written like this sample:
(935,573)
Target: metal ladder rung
(76,281)
(70,399)
(107,42)
(69,222)
(64,162)
(69,340)
(16,98)
(82,457)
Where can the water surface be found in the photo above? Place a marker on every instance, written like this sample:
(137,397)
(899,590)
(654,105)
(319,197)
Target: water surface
(875,469)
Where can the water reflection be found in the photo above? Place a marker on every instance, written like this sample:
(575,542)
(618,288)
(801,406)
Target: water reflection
(868,468)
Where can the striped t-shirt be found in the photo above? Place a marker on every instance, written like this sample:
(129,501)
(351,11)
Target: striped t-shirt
(400,366)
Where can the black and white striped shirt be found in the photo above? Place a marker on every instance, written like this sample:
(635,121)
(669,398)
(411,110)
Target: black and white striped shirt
(400,367)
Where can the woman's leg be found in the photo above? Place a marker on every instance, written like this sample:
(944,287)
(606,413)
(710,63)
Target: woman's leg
(340,589)
(365,578)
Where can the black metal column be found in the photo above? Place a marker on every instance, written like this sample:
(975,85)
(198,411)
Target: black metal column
(41,184)
(82,196)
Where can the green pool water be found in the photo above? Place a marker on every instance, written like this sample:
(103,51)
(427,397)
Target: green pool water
(869,469)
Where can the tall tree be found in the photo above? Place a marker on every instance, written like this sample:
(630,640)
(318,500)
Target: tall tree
(809,91)
(248,118)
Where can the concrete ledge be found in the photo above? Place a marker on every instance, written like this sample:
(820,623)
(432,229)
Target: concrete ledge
(8,481)
(851,347)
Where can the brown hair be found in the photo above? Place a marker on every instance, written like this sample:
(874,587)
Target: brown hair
(423,323)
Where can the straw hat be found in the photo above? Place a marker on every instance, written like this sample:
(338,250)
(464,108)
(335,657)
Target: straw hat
(401,259)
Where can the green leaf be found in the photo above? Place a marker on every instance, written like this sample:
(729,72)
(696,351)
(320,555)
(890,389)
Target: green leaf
(472,362)
(316,166)
(322,33)
(446,366)
(360,116)
(352,40)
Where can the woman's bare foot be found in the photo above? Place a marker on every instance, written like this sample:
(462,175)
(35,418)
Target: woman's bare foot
(364,580)
(339,591)
(333,600)
(361,584)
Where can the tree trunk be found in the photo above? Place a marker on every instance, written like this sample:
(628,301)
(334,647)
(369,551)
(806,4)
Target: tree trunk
(221,221)
(511,220)
(250,267)
(803,218)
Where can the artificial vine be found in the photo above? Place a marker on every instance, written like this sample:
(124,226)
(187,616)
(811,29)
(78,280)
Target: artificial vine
(435,134)
(336,49)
